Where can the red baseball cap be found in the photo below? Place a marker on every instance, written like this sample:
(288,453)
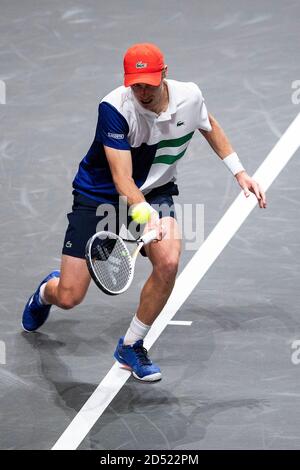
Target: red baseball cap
(143,63)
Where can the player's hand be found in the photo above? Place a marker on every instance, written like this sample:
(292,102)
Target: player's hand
(155,223)
(248,185)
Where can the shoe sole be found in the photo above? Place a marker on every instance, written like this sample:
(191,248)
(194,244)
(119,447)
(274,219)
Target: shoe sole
(148,378)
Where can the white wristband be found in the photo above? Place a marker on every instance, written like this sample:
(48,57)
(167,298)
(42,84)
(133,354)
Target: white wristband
(233,163)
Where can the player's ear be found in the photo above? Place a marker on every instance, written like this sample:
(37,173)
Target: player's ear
(165,71)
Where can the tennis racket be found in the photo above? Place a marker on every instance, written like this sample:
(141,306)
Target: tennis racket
(110,263)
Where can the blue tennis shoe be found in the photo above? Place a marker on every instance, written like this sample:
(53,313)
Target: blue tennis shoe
(135,358)
(35,313)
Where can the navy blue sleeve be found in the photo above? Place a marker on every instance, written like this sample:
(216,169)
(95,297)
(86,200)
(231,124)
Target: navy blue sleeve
(112,128)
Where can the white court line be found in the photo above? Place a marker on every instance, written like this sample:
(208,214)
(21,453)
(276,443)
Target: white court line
(185,284)
(180,323)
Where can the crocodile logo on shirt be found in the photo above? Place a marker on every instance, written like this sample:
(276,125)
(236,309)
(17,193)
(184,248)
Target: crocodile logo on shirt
(180,123)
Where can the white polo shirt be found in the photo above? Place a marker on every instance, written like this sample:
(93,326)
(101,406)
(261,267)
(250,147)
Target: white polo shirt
(156,142)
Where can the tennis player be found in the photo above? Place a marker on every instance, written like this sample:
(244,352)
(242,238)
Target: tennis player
(143,129)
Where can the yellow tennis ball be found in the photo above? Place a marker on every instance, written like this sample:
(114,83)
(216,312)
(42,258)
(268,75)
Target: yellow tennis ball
(141,213)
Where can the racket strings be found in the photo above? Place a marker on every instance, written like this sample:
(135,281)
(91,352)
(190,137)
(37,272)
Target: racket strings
(112,263)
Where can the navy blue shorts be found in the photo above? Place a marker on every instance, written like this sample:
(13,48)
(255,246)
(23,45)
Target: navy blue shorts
(84,222)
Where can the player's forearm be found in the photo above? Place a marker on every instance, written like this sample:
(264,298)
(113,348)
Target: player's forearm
(127,188)
(217,139)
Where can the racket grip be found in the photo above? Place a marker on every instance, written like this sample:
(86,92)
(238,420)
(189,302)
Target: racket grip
(149,237)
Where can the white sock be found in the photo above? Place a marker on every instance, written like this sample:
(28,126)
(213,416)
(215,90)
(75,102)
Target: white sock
(137,330)
(42,295)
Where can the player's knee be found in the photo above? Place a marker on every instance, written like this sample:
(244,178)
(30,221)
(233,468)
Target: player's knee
(68,303)
(167,267)
(69,300)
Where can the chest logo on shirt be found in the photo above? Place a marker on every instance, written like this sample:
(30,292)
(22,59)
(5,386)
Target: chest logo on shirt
(180,123)
(141,65)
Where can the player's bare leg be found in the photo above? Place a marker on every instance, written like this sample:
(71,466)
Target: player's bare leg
(164,257)
(70,288)
(65,288)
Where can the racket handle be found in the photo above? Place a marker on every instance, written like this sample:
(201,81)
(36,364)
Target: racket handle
(149,237)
